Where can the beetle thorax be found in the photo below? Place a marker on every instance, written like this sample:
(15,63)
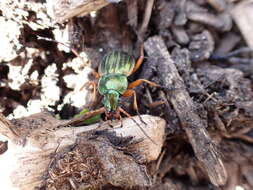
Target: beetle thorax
(117,82)
(111,86)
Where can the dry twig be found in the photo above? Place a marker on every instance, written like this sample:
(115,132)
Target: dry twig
(203,146)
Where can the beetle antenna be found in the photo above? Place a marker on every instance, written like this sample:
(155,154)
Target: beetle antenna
(143,129)
(144,132)
(58,42)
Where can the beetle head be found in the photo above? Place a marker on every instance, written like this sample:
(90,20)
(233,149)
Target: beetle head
(110,100)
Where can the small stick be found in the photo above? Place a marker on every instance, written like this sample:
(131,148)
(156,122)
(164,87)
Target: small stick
(197,134)
(77,120)
(52,40)
(147,15)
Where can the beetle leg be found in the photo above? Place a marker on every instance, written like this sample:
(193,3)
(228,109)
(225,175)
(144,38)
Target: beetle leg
(139,81)
(157,103)
(95,74)
(94,85)
(131,92)
(121,110)
(106,116)
(139,61)
(124,112)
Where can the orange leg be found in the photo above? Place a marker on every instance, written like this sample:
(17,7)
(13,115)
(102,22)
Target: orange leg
(131,92)
(139,61)
(139,81)
(124,112)
(157,103)
(95,74)
(94,85)
(117,115)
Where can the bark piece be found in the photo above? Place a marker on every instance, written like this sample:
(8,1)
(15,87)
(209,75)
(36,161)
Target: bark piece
(227,43)
(242,14)
(132,13)
(85,157)
(219,5)
(202,144)
(95,163)
(62,10)
(180,35)
(221,22)
(201,46)
(180,18)
(182,60)
(166,14)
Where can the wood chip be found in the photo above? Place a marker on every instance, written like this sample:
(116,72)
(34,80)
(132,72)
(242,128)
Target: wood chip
(242,15)
(62,10)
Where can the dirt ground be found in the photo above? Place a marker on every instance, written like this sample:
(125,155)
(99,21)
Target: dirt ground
(210,49)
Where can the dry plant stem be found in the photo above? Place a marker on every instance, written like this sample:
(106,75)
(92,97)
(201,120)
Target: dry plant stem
(199,138)
(66,9)
(80,119)
(145,22)
(26,166)
(66,45)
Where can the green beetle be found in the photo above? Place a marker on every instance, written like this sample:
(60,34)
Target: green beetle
(112,73)
(114,70)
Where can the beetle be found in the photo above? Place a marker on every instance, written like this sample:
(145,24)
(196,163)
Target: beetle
(112,75)
(112,83)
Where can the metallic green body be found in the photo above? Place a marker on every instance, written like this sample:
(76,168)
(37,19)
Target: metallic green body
(117,63)
(114,69)
(117,82)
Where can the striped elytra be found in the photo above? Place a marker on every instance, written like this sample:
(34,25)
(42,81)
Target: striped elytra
(117,62)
